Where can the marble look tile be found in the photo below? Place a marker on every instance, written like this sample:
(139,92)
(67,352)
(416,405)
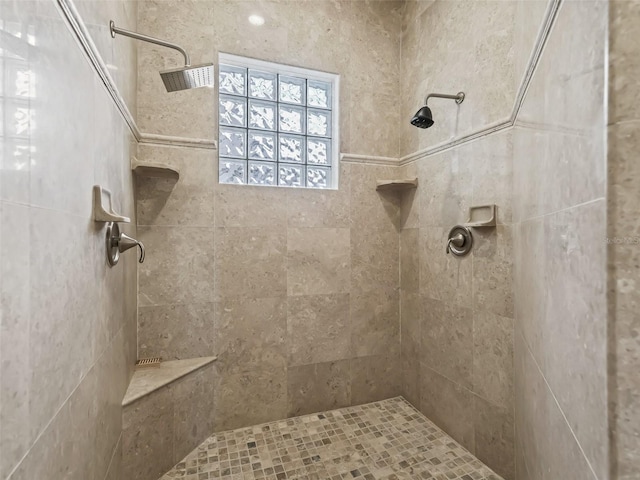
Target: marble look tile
(375,378)
(244,399)
(448,405)
(446,185)
(179,266)
(111,386)
(250,261)
(410,199)
(250,333)
(410,260)
(374,259)
(410,347)
(444,277)
(372,210)
(176,331)
(321,208)
(193,412)
(577,340)
(538,418)
(318,260)
(318,329)
(493,358)
(15,437)
(493,270)
(623,259)
(318,387)
(65,316)
(486,54)
(447,340)
(115,465)
(187,201)
(147,435)
(624,66)
(54,454)
(494,437)
(491,158)
(375,322)
(250,206)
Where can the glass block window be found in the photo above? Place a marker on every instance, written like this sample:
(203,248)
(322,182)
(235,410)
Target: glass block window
(277,124)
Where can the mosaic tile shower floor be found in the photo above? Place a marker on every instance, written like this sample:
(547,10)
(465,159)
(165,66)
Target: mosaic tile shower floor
(382,440)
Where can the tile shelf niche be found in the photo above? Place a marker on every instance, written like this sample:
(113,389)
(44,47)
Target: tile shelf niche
(147,380)
(153,169)
(396,185)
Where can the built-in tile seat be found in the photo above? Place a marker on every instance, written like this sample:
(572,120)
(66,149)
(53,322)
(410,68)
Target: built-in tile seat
(167,411)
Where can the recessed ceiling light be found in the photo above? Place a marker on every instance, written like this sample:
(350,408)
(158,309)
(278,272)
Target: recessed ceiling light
(256,20)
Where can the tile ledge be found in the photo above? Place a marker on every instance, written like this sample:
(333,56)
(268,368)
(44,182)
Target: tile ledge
(148,380)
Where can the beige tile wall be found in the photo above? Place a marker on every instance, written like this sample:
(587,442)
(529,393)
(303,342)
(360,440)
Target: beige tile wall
(457,313)
(284,285)
(67,328)
(560,254)
(623,227)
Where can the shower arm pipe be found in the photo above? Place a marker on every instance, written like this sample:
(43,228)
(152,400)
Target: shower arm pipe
(459,97)
(146,38)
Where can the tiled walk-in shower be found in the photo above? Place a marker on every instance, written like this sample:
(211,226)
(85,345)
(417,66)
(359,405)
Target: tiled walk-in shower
(383,440)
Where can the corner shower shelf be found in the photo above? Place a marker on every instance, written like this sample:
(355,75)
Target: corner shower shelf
(149,379)
(156,170)
(396,185)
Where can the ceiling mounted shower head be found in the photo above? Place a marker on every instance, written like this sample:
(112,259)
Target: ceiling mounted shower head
(424,118)
(183,78)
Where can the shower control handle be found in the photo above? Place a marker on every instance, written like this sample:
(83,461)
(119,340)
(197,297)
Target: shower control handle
(126,242)
(457,240)
(120,242)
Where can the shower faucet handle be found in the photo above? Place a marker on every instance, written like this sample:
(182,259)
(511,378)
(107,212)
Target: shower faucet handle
(120,242)
(126,242)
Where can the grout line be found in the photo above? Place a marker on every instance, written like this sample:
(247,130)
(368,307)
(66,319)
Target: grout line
(113,456)
(557,212)
(557,403)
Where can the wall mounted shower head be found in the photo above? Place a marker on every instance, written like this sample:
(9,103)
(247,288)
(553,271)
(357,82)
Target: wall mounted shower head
(423,117)
(183,78)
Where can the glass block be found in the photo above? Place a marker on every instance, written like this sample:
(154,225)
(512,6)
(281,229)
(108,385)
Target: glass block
(290,175)
(318,151)
(232,111)
(291,148)
(318,177)
(232,171)
(292,89)
(232,142)
(261,173)
(319,94)
(262,115)
(262,145)
(319,122)
(262,85)
(232,80)
(291,119)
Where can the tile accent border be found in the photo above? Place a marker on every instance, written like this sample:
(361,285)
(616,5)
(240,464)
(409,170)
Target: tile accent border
(83,37)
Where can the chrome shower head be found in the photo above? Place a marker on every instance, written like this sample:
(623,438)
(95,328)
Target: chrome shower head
(422,118)
(189,76)
(183,78)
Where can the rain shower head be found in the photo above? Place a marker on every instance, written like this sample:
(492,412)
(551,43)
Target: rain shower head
(423,117)
(183,78)
(189,76)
